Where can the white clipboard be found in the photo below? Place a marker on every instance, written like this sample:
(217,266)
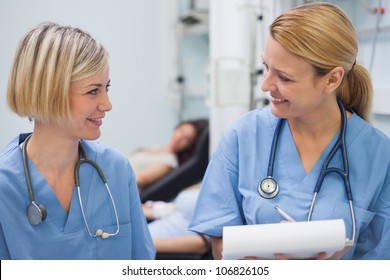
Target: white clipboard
(299,240)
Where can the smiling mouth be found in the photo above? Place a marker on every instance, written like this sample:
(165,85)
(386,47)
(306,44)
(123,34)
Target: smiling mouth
(278,100)
(95,119)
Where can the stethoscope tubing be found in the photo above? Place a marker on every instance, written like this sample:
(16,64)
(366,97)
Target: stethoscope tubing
(275,139)
(325,170)
(340,144)
(27,170)
(84,159)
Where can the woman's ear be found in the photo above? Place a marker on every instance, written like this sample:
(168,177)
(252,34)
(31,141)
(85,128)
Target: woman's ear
(334,79)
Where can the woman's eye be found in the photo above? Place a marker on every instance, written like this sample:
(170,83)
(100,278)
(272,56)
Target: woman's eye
(265,65)
(284,79)
(94,91)
(108,87)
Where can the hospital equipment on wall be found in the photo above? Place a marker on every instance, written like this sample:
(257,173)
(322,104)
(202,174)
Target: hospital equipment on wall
(37,213)
(268,187)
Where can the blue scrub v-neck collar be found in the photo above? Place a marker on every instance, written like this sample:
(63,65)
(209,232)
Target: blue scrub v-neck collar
(290,161)
(57,216)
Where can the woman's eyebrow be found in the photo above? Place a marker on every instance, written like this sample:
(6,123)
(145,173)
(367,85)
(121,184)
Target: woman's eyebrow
(98,84)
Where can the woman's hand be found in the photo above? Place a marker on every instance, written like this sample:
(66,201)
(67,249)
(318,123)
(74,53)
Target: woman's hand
(321,256)
(147,208)
(157,209)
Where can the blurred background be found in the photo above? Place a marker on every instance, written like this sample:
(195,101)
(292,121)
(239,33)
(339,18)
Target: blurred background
(173,60)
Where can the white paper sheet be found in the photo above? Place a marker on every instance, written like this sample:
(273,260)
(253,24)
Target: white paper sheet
(300,240)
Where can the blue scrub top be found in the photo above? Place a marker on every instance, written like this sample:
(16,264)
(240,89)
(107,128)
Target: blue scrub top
(63,235)
(229,193)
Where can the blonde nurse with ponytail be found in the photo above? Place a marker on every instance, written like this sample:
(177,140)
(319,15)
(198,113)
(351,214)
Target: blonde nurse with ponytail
(310,62)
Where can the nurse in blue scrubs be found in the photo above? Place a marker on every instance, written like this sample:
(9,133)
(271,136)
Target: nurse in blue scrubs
(60,80)
(310,62)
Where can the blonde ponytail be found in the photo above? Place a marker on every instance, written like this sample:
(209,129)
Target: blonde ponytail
(356,91)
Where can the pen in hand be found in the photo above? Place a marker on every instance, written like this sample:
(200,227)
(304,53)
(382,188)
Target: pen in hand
(284,214)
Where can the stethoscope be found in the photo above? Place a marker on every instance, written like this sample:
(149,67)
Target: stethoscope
(37,213)
(268,187)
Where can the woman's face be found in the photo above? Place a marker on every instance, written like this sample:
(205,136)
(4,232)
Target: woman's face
(89,102)
(182,137)
(295,89)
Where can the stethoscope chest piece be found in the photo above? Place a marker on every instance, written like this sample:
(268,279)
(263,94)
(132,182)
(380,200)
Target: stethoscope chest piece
(36,213)
(268,188)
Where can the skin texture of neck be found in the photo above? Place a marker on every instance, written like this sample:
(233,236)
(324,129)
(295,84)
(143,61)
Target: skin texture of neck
(313,134)
(55,156)
(50,149)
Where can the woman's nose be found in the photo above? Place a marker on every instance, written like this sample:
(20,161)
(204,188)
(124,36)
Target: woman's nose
(265,85)
(268,84)
(105,103)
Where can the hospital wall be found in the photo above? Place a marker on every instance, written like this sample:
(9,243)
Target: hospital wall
(373,30)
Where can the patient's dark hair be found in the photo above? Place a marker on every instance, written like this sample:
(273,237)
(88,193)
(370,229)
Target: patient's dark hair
(199,125)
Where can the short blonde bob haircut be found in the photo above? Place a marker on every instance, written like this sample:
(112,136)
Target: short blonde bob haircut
(47,60)
(323,35)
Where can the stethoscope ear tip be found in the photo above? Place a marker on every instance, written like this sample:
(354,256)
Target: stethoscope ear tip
(102,234)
